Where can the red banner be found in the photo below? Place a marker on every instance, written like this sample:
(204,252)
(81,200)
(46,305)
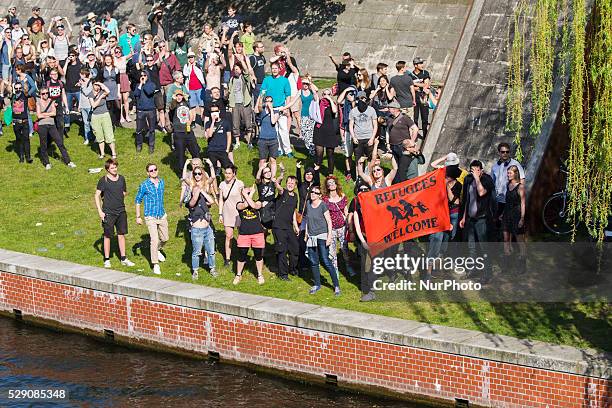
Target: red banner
(404,211)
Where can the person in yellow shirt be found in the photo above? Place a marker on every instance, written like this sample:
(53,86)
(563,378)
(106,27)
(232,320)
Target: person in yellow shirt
(248,39)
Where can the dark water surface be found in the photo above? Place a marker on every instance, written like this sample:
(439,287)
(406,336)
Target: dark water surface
(98,374)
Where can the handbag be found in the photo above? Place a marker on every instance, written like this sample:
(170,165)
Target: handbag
(314,112)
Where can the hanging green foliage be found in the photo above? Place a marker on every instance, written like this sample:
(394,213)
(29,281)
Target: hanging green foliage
(514,99)
(598,147)
(577,177)
(542,60)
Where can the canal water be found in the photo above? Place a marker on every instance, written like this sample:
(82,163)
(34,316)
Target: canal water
(99,374)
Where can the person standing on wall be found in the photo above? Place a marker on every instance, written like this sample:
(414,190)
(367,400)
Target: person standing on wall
(110,202)
(404,89)
(151,191)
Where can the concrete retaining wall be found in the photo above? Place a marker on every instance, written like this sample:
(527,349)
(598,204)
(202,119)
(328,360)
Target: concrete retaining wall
(372,30)
(405,358)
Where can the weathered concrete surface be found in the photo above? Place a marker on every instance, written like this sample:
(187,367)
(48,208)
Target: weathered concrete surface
(372,30)
(312,317)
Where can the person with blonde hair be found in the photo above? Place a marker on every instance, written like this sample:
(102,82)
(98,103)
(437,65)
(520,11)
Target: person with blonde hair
(200,219)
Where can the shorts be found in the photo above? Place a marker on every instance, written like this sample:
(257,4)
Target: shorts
(117,222)
(158,98)
(6,71)
(267,148)
(195,98)
(102,127)
(251,241)
(297,107)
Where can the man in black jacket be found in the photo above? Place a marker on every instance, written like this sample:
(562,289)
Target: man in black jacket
(477,212)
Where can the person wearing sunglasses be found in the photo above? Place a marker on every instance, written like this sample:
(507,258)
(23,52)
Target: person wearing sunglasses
(146,117)
(318,238)
(19,103)
(45,112)
(377,179)
(183,136)
(201,187)
(151,192)
(499,172)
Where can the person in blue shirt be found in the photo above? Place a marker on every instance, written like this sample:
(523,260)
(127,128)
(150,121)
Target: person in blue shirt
(268,142)
(277,86)
(151,192)
(146,112)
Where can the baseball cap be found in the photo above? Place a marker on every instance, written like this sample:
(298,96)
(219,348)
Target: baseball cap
(394,104)
(191,54)
(418,60)
(35,8)
(361,94)
(178,92)
(451,159)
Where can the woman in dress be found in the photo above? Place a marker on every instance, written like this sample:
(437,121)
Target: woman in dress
(337,203)
(325,135)
(201,197)
(250,234)
(229,197)
(318,239)
(124,83)
(513,217)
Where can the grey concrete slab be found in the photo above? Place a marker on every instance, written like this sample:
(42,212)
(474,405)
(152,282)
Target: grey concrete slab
(494,347)
(355,324)
(42,268)
(142,287)
(100,279)
(279,311)
(5,254)
(438,338)
(232,303)
(185,294)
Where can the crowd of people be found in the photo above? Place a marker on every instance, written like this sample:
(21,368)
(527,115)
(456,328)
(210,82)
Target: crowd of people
(103,77)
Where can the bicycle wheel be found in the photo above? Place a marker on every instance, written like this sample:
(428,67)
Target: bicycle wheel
(555,216)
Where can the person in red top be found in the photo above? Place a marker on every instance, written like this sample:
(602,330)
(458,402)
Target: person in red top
(195,85)
(168,64)
(337,203)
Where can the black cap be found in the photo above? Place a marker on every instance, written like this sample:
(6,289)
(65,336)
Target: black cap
(418,60)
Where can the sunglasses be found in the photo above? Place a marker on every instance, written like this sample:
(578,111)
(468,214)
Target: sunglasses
(504,151)
(378,169)
(44,93)
(197,173)
(315,192)
(17,89)
(152,170)
(149,60)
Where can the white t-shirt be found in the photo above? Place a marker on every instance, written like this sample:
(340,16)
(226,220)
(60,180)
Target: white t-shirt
(363,126)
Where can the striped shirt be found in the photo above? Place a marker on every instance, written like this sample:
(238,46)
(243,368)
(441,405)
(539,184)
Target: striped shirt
(153,198)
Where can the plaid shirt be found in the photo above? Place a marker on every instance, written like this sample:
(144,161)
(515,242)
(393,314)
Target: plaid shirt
(153,198)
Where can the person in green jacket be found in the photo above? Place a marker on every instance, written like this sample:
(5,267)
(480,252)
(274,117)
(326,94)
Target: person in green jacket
(240,102)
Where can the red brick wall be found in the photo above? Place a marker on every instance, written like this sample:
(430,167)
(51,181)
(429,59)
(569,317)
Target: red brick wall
(397,368)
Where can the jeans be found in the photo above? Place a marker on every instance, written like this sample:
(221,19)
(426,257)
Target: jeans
(202,237)
(476,231)
(72,99)
(422,111)
(146,122)
(321,252)
(450,235)
(88,132)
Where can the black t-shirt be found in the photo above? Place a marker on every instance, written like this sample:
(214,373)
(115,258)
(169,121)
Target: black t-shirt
(112,193)
(345,79)
(249,222)
(258,62)
(456,191)
(55,90)
(20,106)
(180,116)
(286,204)
(215,102)
(266,191)
(399,131)
(73,77)
(232,23)
(218,141)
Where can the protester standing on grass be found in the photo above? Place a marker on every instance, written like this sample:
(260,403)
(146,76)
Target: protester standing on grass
(146,117)
(277,86)
(286,229)
(200,219)
(267,143)
(151,191)
(110,202)
(181,128)
(250,234)
(45,112)
(85,89)
(337,204)
(101,121)
(19,104)
(318,238)
(229,196)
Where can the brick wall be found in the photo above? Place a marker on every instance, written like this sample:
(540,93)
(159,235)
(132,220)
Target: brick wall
(354,361)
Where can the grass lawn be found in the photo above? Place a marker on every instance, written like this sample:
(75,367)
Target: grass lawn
(52,213)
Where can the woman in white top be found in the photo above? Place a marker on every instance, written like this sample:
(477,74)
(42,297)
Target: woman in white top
(124,83)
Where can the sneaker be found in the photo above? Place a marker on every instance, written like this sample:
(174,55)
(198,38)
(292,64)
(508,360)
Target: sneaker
(214,272)
(237,279)
(48,166)
(279,153)
(368,297)
(156,269)
(348,178)
(226,262)
(160,256)
(337,291)
(350,271)
(107,263)
(236,145)
(127,262)
(138,148)
(314,290)
(71,165)
(151,150)
(86,142)
(101,156)
(261,280)
(194,274)
(290,155)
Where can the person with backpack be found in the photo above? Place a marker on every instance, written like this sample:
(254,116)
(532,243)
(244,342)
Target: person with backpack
(266,188)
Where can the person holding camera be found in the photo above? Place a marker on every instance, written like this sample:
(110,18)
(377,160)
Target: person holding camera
(151,67)
(110,203)
(158,23)
(146,118)
(45,112)
(72,70)
(219,135)
(181,127)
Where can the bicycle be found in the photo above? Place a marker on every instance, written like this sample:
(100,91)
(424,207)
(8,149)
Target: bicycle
(555,211)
